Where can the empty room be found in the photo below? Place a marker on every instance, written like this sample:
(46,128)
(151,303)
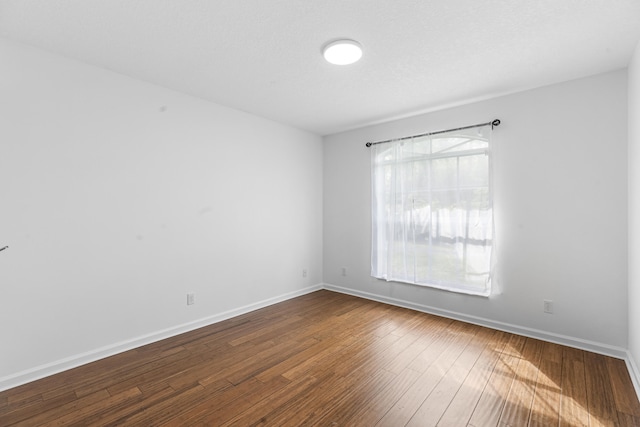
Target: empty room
(332,213)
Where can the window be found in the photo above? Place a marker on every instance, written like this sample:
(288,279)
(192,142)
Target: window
(432,210)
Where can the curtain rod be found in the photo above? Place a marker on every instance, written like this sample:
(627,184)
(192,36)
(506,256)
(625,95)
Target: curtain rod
(493,124)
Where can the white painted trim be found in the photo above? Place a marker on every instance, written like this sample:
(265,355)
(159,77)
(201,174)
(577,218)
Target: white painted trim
(634,373)
(595,347)
(61,365)
(74,361)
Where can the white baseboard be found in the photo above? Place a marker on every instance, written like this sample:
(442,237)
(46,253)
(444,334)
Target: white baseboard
(74,361)
(595,347)
(61,365)
(634,373)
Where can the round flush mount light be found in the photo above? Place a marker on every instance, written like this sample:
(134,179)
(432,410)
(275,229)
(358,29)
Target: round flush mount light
(342,52)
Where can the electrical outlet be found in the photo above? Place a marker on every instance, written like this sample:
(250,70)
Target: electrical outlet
(344,271)
(191,299)
(304,272)
(548,306)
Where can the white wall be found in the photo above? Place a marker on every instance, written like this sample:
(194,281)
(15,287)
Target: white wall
(634,210)
(561,213)
(118,197)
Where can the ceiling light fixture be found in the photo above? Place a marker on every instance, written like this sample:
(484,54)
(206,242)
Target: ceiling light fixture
(342,52)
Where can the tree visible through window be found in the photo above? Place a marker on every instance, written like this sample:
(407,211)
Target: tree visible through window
(432,210)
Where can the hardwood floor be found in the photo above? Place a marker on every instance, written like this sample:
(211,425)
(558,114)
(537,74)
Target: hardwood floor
(334,360)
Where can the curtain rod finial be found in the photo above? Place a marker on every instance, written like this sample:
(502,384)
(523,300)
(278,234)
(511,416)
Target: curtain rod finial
(495,123)
(368,144)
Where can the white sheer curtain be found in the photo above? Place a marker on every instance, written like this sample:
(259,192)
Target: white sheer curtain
(432,211)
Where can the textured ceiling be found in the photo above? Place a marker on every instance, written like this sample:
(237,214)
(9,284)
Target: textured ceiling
(264,56)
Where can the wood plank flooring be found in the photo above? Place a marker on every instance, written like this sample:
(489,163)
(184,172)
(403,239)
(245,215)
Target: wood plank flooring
(329,359)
